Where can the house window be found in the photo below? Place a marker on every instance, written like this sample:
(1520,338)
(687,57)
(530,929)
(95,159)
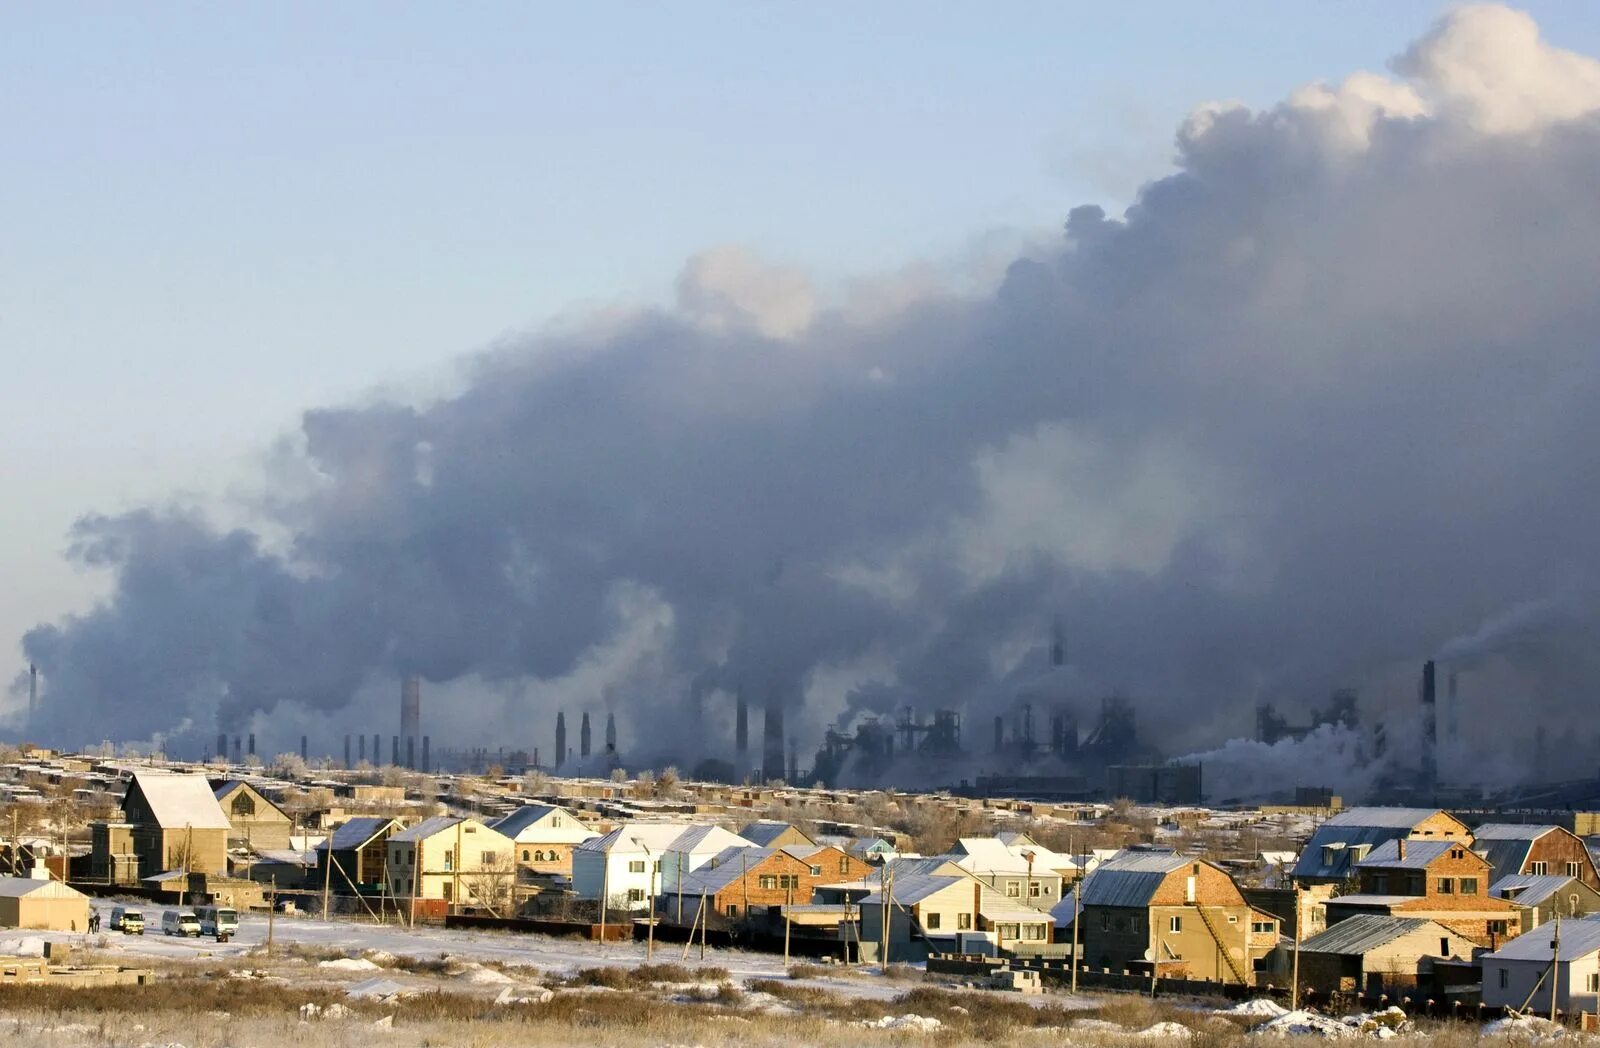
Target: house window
(636,866)
(489,858)
(1013,890)
(844,864)
(1447,886)
(449,859)
(1540,868)
(1380,884)
(1594,982)
(733,911)
(1457,853)
(1174,923)
(1233,918)
(636,895)
(964,921)
(1035,890)
(1469,886)
(526,853)
(552,855)
(1572,869)
(1505,978)
(555,821)
(767,881)
(1007,932)
(1444,946)
(930,921)
(816,871)
(1497,927)
(1261,927)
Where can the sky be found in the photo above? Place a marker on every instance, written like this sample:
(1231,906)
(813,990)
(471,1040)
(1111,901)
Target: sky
(215,217)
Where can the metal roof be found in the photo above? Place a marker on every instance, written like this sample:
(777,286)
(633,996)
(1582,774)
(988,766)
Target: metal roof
(1418,855)
(1579,939)
(1371,900)
(1534,889)
(522,818)
(909,890)
(1131,878)
(1386,818)
(1511,831)
(355,833)
(16,887)
(764,831)
(1506,854)
(1362,933)
(724,869)
(427,828)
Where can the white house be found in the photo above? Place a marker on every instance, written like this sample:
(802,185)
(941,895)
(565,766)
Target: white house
(545,837)
(1007,869)
(638,859)
(1510,973)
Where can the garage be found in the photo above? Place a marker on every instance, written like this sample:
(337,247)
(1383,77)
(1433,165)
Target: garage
(42,905)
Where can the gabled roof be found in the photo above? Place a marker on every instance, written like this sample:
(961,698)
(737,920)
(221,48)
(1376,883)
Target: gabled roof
(1348,833)
(1418,854)
(764,832)
(355,833)
(1530,890)
(1579,939)
(726,868)
(907,891)
(660,837)
(1386,818)
(1131,878)
(1362,933)
(180,801)
(17,887)
(428,827)
(1508,845)
(1512,831)
(522,818)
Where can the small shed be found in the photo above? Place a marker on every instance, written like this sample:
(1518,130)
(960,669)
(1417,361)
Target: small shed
(42,905)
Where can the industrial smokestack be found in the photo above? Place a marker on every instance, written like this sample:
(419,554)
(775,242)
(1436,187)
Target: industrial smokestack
(424,754)
(33,695)
(741,728)
(222,746)
(252,744)
(583,736)
(772,743)
(794,759)
(238,750)
(561,738)
(377,748)
(394,751)
(361,747)
(611,733)
(1430,728)
(411,751)
(411,708)
(347,751)
(1452,722)
(302,747)
(1058,644)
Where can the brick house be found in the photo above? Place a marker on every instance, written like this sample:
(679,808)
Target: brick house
(1535,851)
(1338,845)
(545,836)
(931,912)
(257,823)
(1441,880)
(770,833)
(831,863)
(740,884)
(1187,913)
(1375,954)
(360,850)
(456,859)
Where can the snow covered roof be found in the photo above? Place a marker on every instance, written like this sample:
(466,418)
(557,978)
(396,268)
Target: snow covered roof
(1387,818)
(1418,854)
(764,831)
(1342,841)
(907,891)
(428,827)
(179,801)
(1511,831)
(726,868)
(1579,938)
(522,818)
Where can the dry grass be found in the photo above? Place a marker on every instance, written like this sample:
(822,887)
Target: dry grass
(644,976)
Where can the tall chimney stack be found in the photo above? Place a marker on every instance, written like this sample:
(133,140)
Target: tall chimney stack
(583,736)
(741,728)
(222,746)
(347,751)
(611,733)
(302,747)
(411,714)
(561,738)
(425,754)
(1430,729)
(394,751)
(238,750)
(361,748)
(411,751)
(772,743)
(252,744)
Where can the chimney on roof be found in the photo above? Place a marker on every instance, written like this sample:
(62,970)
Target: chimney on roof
(1400,848)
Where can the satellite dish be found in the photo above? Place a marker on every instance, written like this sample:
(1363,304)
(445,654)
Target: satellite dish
(1149,955)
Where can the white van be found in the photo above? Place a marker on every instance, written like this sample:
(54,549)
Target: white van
(218,920)
(127,920)
(181,922)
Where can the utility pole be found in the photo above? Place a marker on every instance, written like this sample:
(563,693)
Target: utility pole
(1077,916)
(14,844)
(787,920)
(605,893)
(1555,964)
(704,917)
(327,878)
(1294,974)
(272,908)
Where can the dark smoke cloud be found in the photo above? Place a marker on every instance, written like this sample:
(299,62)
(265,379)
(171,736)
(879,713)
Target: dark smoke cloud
(1318,403)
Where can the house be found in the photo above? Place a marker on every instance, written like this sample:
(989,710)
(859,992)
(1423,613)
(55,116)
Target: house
(739,884)
(459,860)
(41,904)
(1016,871)
(1541,899)
(1375,954)
(1330,857)
(636,859)
(545,837)
(360,851)
(829,863)
(768,833)
(1186,913)
(1511,973)
(170,822)
(933,913)
(1442,880)
(256,822)
(1539,851)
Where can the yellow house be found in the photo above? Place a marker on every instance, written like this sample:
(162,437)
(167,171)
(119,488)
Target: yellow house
(459,860)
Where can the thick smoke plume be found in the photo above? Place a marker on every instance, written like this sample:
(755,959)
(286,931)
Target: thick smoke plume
(1318,402)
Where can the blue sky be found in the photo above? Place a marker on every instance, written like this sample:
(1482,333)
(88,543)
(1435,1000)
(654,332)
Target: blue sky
(216,215)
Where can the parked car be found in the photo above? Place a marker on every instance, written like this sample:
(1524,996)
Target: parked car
(181,922)
(221,921)
(127,920)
